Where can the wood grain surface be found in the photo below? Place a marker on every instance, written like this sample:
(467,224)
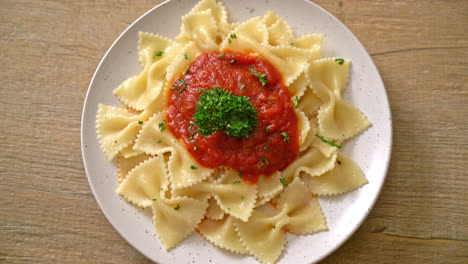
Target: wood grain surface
(50,49)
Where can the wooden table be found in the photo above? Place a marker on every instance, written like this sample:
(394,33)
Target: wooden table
(50,50)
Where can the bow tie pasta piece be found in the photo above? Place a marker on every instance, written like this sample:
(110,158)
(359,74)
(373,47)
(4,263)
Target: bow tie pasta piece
(268,188)
(214,212)
(297,210)
(309,102)
(344,177)
(201,28)
(313,162)
(176,218)
(155,139)
(298,86)
(304,214)
(280,34)
(254,29)
(234,196)
(117,128)
(147,181)
(125,165)
(219,13)
(222,233)
(338,120)
(129,151)
(140,91)
(151,47)
(311,42)
(303,126)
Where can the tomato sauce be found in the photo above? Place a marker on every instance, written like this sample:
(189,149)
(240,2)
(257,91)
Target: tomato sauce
(266,150)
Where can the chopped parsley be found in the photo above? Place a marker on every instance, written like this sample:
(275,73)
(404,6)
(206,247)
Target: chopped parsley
(232,36)
(340,61)
(242,197)
(179,82)
(236,182)
(274,226)
(200,90)
(263,162)
(140,122)
(283,181)
(177,207)
(193,167)
(195,148)
(187,70)
(285,136)
(187,57)
(159,141)
(261,77)
(219,110)
(270,99)
(162,125)
(240,174)
(182,88)
(292,43)
(295,101)
(154,199)
(243,87)
(157,53)
(233,61)
(258,58)
(265,149)
(267,129)
(221,55)
(229,209)
(115,141)
(331,143)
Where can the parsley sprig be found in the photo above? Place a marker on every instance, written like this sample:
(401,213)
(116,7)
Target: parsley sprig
(340,61)
(219,110)
(261,77)
(331,143)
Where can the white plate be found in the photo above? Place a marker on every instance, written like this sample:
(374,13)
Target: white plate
(371,150)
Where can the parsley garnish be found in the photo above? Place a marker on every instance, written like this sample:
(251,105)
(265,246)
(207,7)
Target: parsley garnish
(240,174)
(162,125)
(115,141)
(193,167)
(265,149)
(140,122)
(270,100)
(221,55)
(295,101)
(261,77)
(283,181)
(292,43)
(267,129)
(243,87)
(187,70)
(177,207)
(154,199)
(157,53)
(236,182)
(263,163)
(232,36)
(242,197)
(183,87)
(159,141)
(187,57)
(286,136)
(331,143)
(274,226)
(233,61)
(181,81)
(200,90)
(340,61)
(195,148)
(220,111)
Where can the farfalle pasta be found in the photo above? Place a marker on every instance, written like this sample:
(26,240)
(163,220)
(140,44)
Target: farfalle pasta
(233,130)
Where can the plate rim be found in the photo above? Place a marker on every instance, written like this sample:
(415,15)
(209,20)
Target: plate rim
(333,248)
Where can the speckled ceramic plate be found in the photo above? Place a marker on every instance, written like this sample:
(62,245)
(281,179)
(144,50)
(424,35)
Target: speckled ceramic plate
(371,150)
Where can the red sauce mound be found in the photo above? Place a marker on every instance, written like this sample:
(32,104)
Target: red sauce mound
(265,151)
